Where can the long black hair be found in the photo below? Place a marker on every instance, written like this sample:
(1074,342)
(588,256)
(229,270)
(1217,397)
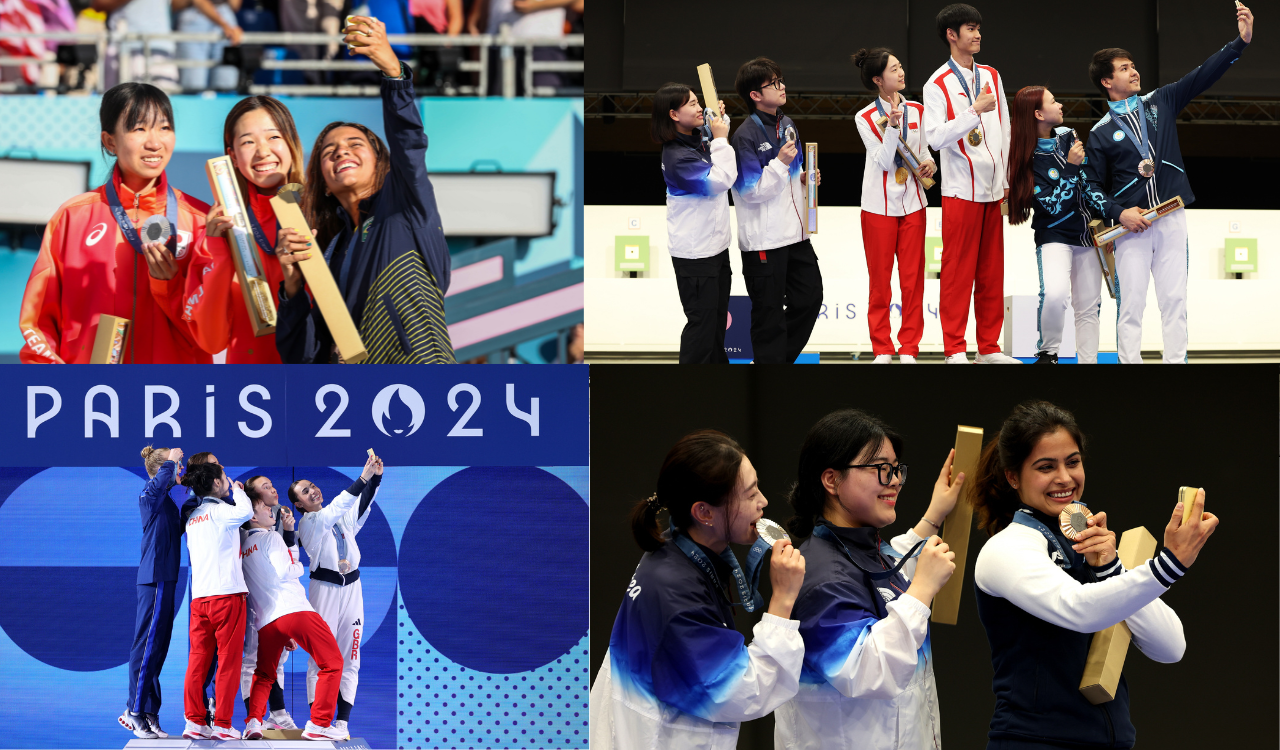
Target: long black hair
(704,466)
(993,497)
(833,443)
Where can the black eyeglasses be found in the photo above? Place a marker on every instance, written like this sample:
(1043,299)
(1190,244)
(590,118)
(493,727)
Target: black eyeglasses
(775,83)
(885,471)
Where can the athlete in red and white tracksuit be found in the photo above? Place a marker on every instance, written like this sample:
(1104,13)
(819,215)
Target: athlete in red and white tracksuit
(893,225)
(218,595)
(280,612)
(328,534)
(86,268)
(973,185)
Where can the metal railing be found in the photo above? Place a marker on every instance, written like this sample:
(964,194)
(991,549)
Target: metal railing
(503,41)
(1082,110)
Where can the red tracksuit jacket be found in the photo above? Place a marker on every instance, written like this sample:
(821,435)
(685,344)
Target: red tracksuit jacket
(86,268)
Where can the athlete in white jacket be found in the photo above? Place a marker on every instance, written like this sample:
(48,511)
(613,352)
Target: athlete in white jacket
(328,534)
(868,678)
(283,618)
(217,598)
(678,675)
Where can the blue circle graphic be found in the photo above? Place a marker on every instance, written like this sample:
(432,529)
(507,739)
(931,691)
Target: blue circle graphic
(505,551)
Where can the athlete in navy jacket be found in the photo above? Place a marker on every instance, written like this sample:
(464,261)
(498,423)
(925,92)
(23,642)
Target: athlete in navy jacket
(393,268)
(157,581)
(1138,129)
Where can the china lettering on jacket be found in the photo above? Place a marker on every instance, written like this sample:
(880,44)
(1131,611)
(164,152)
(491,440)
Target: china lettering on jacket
(250,551)
(198,519)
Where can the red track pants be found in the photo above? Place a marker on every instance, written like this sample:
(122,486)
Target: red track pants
(217,625)
(883,238)
(313,635)
(972,262)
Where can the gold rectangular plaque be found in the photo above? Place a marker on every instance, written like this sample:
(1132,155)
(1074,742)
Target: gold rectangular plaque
(1188,497)
(1111,234)
(110,340)
(908,156)
(1105,661)
(324,290)
(258,297)
(955,530)
(1106,257)
(709,98)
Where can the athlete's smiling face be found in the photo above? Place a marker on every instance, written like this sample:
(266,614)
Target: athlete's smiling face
(1052,477)
(690,115)
(308,496)
(260,150)
(746,507)
(1124,81)
(1050,111)
(347,161)
(968,39)
(144,150)
(858,498)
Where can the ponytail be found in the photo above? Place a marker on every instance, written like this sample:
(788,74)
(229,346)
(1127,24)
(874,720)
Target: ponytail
(703,467)
(994,498)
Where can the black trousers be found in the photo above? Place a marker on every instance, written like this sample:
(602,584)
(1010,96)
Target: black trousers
(704,284)
(785,286)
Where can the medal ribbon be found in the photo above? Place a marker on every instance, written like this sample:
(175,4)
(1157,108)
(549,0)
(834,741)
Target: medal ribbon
(747,582)
(898,161)
(259,234)
(977,79)
(340,539)
(822,530)
(1024,518)
(126,224)
(1144,148)
(777,136)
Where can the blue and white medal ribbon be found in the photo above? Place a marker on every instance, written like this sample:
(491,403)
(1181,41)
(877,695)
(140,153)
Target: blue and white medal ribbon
(1146,167)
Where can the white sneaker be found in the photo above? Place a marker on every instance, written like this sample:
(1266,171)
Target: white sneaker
(882,359)
(153,723)
(279,720)
(253,730)
(341,726)
(137,724)
(906,359)
(194,731)
(959,358)
(996,358)
(330,733)
(226,733)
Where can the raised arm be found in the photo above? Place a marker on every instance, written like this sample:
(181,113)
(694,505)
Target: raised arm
(944,123)
(1199,80)
(756,184)
(880,147)
(156,493)
(283,559)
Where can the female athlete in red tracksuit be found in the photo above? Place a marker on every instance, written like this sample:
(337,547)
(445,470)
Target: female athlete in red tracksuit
(93,261)
(262,141)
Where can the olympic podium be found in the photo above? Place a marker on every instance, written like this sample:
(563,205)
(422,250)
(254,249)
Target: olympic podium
(179,743)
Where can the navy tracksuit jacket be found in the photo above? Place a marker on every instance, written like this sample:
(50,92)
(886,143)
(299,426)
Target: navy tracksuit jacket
(157,584)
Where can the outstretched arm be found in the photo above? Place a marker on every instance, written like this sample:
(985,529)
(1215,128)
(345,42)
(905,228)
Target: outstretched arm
(1202,78)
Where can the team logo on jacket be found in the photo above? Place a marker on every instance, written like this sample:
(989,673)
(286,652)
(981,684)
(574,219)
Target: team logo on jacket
(184,243)
(887,594)
(1053,174)
(96,234)
(1119,135)
(763,147)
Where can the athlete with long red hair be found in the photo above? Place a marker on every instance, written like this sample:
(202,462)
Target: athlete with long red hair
(1045,162)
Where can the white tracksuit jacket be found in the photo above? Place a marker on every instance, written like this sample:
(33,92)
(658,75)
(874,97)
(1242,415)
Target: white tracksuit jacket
(974,173)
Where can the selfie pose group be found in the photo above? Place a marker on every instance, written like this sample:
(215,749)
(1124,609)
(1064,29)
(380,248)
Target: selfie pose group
(370,203)
(997,158)
(248,608)
(842,655)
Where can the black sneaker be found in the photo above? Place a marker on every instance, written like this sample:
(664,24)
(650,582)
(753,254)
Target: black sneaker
(1045,358)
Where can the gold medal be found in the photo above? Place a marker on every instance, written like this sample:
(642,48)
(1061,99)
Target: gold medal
(900,176)
(975,138)
(1146,167)
(1073,520)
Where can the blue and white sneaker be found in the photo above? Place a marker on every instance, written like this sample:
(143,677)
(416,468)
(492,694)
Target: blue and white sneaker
(137,724)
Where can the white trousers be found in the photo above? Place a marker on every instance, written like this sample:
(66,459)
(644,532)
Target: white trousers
(1069,270)
(249,662)
(1160,253)
(342,608)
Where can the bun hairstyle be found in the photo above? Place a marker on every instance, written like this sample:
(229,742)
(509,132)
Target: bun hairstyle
(994,498)
(872,62)
(836,441)
(201,478)
(152,458)
(703,467)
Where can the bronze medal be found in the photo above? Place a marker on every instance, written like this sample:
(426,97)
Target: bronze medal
(900,176)
(1074,519)
(1146,167)
(975,138)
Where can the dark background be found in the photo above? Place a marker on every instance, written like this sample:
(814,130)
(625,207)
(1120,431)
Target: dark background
(1146,436)
(638,46)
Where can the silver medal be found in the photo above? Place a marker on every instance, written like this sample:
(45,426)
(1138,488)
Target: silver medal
(156,229)
(789,134)
(771,532)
